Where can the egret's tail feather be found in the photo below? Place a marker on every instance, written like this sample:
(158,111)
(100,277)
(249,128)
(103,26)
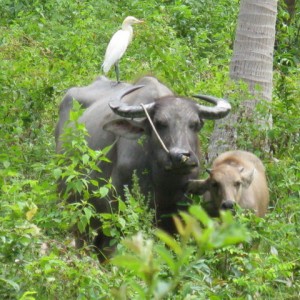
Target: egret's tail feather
(106,67)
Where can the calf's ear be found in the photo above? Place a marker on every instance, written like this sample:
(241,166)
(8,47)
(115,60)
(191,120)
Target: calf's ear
(198,187)
(247,177)
(125,128)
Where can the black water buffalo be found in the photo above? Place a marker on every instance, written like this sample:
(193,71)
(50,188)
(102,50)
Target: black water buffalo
(114,115)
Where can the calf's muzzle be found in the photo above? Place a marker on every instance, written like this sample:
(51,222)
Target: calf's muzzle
(227,204)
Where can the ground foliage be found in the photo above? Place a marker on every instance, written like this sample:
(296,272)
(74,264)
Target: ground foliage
(48,46)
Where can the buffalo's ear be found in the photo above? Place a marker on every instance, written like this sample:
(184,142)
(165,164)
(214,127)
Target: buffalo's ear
(247,177)
(125,128)
(198,187)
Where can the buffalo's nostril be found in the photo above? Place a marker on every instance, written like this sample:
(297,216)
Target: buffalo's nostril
(184,158)
(179,155)
(228,204)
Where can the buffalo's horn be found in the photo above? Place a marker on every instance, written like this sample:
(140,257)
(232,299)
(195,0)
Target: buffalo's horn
(130,111)
(219,111)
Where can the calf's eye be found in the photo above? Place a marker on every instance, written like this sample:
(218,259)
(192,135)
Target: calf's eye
(237,184)
(215,184)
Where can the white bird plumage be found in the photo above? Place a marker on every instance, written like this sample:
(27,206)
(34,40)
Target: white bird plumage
(118,45)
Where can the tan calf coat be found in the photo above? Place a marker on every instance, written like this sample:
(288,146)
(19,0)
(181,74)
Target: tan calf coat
(236,177)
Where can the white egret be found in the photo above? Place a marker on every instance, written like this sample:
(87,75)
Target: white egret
(118,45)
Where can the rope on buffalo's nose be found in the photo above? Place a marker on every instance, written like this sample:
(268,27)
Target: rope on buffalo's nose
(154,129)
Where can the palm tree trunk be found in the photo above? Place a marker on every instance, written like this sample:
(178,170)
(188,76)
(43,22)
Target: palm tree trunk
(252,63)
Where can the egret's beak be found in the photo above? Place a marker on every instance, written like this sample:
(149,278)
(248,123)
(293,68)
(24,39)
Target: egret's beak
(140,21)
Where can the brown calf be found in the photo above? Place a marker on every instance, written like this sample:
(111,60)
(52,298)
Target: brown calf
(236,177)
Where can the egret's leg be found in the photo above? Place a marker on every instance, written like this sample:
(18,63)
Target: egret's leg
(117,70)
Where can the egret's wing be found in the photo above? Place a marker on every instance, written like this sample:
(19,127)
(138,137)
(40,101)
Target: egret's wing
(116,48)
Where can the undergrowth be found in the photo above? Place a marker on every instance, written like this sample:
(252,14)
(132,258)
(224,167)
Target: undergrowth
(47,47)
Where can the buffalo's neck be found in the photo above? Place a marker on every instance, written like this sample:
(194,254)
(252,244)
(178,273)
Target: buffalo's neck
(170,190)
(168,201)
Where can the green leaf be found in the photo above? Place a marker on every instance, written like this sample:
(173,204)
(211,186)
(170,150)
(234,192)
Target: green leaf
(28,295)
(122,205)
(106,150)
(106,216)
(82,224)
(198,212)
(103,191)
(6,164)
(167,257)
(78,186)
(204,240)
(57,173)
(94,182)
(169,241)
(226,216)
(85,159)
(88,213)
(128,262)
(31,212)
(11,283)
(122,222)
(139,289)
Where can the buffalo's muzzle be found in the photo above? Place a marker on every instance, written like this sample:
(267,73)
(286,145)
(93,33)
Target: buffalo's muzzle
(179,155)
(181,161)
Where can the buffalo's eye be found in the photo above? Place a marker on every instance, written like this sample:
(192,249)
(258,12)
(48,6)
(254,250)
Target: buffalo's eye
(159,125)
(195,125)
(237,184)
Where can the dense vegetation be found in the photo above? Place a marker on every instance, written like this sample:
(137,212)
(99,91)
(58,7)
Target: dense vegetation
(49,46)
